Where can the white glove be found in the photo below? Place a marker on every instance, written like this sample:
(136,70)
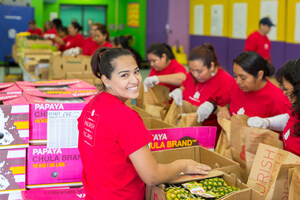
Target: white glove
(72,52)
(49,36)
(150,82)
(204,111)
(276,123)
(177,96)
(258,122)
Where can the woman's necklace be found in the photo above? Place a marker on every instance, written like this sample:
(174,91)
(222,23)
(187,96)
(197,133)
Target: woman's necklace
(198,92)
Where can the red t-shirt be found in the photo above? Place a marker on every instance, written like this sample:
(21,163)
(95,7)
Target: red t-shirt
(51,31)
(214,90)
(73,41)
(91,46)
(260,44)
(173,68)
(266,102)
(109,131)
(36,31)
(290,140)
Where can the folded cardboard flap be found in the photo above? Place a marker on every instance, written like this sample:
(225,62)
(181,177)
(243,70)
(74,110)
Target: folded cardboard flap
(199,154)
(246,194)
(153,123)
(140,111)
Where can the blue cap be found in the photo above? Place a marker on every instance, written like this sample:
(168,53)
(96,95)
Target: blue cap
(266,21)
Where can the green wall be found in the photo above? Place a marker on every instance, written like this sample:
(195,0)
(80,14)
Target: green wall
(116,17)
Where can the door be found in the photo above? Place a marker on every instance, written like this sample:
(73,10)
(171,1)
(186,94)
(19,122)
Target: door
(92,14)
(157,18)
(69,14)
(13,19)
(178,24)
(84,15)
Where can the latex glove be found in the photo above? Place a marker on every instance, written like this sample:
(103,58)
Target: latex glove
(258,122)
(49,36)
(204,111)
(177,96)
(150,82)
(68,52)
(76,51)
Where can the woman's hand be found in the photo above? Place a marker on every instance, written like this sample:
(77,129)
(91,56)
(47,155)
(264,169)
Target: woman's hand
(223,112)
(193,167)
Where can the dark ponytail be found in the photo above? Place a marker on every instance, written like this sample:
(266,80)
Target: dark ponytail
(251,62)
(103,60)
(104,31)
(159,49)
(77,26)
(206,54)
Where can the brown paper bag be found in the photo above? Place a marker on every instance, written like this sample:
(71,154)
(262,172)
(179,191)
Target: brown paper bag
(223,144)
(266,166)
(244,142)
(281,188)
(294,192)
(182,116)
(158,95)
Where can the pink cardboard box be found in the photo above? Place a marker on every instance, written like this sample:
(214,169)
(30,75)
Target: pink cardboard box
(55,84)
(9,88)
(54,194)
(62,103)
(12,170)
(51,167)
(14,121)
(183,137)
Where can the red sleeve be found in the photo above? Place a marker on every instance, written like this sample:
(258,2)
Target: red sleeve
(133,135)
(250,43)
(39,32)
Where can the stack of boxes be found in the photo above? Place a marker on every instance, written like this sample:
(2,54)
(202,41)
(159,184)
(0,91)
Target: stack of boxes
(38,134)
(14,139)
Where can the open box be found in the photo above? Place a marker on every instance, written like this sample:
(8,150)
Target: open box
(58,109)
(14,121)
(9,88)
(157,192)
(199,154)
(55,84)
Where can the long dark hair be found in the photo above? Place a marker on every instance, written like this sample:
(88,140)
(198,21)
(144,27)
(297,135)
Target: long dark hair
(206,53)
(291,73)
(159,49)
(77,26)
(103,30)
(103,61)
(251,62)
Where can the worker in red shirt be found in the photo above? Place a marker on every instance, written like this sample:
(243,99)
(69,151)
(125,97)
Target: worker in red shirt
(254,95)
(52,32)
(207,85)
(33,29)
(289,77)
(117,161)
(100,39)
(258,40)
(165,69)
(73,42)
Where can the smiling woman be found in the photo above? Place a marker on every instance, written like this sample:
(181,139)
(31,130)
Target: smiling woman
(116,159)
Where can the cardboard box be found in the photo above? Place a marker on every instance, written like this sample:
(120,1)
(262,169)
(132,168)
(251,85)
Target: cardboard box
(12,170)
(199,154)
(11,195)
(51,167)
(9,88)
(61,65)
(14,121)
(182,137)
(54,194)
(154,123)
(55,84)
(157,192)
(245,194)
(140,111)
(63,106)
